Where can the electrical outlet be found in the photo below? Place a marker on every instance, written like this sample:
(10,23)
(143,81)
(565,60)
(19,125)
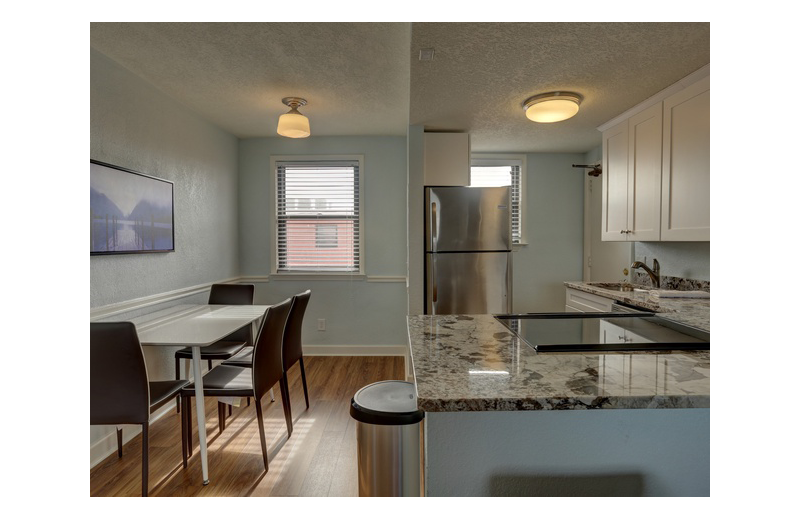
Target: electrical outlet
(321,324)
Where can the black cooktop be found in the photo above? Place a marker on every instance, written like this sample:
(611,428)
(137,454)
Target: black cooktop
(588,332)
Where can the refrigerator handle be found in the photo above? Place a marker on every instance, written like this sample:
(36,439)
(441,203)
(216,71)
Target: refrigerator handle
(435,289)
(433,226)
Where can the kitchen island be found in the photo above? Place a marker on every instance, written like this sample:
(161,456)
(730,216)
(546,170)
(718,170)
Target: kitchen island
(502,419)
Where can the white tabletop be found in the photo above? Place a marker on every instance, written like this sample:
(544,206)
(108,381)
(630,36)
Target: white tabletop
(195,325)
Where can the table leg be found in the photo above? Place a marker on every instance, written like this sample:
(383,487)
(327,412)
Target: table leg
(197,368)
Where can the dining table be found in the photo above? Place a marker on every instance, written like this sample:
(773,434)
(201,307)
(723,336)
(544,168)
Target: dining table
(196,326)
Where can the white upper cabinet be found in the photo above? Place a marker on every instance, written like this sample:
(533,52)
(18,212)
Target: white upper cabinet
(686,169)
(447,159)
(632,178)
(615,183)
(644,175)
(656,168)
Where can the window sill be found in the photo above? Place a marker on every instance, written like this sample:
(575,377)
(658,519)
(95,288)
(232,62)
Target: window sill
(318,276)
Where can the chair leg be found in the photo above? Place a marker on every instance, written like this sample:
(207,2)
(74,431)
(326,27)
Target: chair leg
(303,375)
(183,439)
(260,418)
(230,410)
(187,412)
(119,442)
(221,415)
(287,407)
(177,376)
(209,364)
(145,462)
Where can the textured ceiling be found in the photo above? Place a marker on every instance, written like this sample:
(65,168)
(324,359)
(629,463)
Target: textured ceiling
(353,75)
(366,78)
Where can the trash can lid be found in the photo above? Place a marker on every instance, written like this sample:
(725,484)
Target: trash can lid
(386,402)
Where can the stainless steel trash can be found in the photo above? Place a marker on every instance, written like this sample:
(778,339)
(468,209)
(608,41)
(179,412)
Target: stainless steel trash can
(388,435)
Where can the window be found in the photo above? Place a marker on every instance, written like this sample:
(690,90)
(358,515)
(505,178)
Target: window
(503,171)
(318,216)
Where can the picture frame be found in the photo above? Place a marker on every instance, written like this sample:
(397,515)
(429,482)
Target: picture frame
(130,212)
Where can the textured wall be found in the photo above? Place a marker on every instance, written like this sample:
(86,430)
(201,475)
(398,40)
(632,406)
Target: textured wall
(135,126)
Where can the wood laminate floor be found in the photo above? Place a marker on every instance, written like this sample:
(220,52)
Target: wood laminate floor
(318,460)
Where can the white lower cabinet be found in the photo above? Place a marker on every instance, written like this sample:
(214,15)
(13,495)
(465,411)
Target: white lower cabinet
(579,301)
(611,333)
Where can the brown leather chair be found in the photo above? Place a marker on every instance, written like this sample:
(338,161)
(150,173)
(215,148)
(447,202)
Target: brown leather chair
(234,381)
(222,294)
(119,390)
(292,347)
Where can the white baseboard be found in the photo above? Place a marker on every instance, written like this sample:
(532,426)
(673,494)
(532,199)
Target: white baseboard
(361,350)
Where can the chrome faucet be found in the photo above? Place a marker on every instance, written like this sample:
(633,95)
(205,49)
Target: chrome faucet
(655,273)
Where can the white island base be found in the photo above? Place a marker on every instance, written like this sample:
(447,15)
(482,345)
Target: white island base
(617,452)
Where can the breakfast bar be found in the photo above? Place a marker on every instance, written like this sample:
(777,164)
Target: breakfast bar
(503,419)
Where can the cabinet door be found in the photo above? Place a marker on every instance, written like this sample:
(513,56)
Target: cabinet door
(644,175)
(587,302)
(615,183)
(686,168)
(446,159)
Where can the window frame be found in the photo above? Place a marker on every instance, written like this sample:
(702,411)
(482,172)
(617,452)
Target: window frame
(502,159)
(273,219)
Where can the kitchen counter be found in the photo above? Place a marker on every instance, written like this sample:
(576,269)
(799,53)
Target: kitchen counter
(695,312)
(473,363)
(502,419)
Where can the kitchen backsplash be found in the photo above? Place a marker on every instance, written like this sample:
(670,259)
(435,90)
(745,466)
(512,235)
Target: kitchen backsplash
(672,282)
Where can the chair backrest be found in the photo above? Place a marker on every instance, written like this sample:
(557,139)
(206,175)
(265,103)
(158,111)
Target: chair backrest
(119,392)
(292,337)
(267,366)
(233,294)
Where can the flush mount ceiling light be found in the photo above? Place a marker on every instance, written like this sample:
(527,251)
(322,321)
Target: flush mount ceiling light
(552,106)
(293,123)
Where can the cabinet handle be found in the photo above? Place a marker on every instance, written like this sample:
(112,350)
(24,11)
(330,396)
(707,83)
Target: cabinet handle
(621,231)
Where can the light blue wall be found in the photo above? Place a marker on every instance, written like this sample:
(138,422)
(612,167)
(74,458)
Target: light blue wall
(554,231)
(357,312)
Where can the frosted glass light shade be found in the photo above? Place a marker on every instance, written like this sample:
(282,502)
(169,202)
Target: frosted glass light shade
(552,107)
(293,124)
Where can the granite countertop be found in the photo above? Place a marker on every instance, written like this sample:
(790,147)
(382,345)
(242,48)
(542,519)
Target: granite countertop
(473,363)
(695,312)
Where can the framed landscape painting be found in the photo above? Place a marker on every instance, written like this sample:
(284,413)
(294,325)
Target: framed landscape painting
(130,212)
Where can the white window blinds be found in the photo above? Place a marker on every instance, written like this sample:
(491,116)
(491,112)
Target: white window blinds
(502,175)
(318,216)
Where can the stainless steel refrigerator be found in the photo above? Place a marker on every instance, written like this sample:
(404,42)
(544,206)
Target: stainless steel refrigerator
(467,250)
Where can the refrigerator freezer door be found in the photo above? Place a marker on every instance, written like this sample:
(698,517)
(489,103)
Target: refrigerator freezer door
(468,283)
(467,219)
